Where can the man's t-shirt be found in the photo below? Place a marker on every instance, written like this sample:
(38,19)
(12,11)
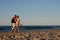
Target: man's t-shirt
(13,20)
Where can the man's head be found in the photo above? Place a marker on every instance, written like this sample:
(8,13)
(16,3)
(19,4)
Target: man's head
(15,15)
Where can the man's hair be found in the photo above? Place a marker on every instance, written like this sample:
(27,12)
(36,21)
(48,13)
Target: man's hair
(15,15)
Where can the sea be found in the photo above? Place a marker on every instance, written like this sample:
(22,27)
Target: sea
(25,28)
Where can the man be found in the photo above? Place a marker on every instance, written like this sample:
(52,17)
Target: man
(13,22)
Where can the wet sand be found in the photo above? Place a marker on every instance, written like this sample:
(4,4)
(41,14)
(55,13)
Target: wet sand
(31,35)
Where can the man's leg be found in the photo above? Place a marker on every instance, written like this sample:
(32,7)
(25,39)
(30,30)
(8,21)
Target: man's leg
(13,26)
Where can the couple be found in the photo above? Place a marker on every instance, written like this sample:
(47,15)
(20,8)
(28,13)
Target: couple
(15,23)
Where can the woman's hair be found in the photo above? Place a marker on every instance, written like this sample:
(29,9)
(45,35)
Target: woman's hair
(17,16)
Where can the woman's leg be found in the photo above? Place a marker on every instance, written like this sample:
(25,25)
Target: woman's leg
(17,28)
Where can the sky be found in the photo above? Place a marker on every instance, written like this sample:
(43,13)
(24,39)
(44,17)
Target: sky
(31,12)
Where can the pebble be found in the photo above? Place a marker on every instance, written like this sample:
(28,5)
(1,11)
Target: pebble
(34,35)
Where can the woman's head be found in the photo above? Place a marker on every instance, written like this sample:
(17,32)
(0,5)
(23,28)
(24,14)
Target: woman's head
(17,16)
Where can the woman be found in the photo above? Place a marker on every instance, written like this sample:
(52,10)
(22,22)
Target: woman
(17,24)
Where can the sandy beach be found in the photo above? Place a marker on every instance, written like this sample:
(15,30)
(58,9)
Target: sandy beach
(31,35)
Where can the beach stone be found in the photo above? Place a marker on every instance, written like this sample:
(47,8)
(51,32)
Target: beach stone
(51,39)
(58,36)
(22,36)
(27,36)
(43,39)
(17,37)
(36,38)
(13,36)
(9,36)
(12,39)
(0,38)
